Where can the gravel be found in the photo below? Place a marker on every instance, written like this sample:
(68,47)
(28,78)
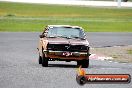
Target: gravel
(119,53)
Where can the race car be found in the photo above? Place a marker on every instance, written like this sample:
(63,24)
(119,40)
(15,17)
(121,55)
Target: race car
(63,43)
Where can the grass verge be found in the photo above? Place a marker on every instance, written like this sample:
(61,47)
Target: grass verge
(33,17)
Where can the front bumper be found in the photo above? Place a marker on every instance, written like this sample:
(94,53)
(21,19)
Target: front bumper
(66,54)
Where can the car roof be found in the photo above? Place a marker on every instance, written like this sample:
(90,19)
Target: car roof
(64,26)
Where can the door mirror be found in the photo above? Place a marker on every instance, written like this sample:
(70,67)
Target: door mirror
(41,36)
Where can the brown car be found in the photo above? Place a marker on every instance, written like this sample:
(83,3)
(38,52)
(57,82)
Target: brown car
(63,43)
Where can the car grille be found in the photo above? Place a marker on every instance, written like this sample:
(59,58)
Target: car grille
(67,47)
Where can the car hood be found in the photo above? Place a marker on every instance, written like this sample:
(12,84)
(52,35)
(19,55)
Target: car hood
(67,41)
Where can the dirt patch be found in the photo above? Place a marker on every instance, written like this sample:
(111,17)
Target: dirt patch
(119,53)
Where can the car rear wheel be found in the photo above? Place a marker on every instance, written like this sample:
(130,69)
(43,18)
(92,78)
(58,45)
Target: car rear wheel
(83,63)
(44,61)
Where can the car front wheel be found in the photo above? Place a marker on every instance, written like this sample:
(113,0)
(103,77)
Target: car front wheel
(83,63)
(40,60)
(44,61)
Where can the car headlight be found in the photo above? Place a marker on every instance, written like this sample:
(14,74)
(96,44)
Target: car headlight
(84,48)
(50,46)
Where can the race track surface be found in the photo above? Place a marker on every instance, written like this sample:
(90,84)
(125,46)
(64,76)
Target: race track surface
(109,39)
(19,66)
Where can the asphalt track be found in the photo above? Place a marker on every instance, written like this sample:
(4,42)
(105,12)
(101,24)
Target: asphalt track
(19,67)
(105,39)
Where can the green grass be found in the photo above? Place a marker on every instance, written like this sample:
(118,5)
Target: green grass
(129,51)
(33,17)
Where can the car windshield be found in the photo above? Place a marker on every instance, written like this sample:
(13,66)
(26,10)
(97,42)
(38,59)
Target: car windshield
(66,32)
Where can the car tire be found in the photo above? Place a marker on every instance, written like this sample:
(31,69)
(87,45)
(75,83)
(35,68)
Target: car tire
(83,63)
(44,61)
(79,63)
(40,59)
